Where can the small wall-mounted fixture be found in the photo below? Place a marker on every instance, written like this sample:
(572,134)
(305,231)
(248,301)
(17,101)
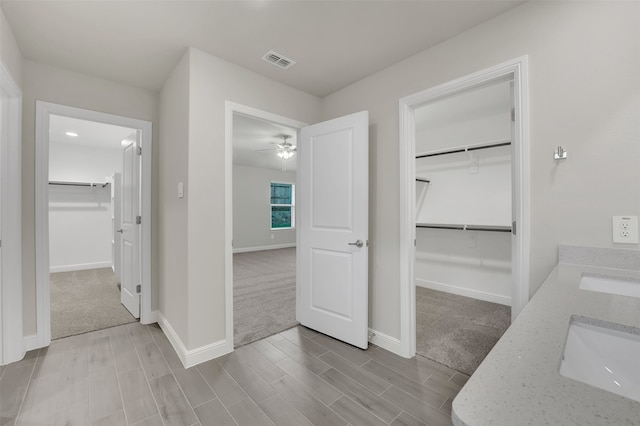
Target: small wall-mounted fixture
(560,153)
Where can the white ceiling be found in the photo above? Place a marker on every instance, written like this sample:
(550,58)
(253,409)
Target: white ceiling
(92,134)
(335,43)
(252,136)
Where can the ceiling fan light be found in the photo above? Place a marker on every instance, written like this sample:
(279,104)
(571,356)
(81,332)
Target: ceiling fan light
(285,155)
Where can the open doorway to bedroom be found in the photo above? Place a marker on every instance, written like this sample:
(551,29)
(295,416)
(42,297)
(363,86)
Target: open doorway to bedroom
(264,228)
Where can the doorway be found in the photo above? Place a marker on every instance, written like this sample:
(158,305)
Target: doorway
(332,227)
(86,161)
(264,224)
(264,231)
(452,224)
(92,191)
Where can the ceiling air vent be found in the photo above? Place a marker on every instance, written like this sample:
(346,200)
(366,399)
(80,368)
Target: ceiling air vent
(278,60)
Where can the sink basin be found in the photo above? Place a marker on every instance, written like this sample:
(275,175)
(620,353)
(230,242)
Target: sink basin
(604,284)
(607,357)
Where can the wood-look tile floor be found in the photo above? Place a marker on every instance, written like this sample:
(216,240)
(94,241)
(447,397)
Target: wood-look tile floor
(130,375)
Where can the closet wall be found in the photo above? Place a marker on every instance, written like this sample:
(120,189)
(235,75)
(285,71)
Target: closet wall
(468,189)
(80,216)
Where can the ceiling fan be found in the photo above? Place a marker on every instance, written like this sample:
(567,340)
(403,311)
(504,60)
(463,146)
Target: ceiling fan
(285,151)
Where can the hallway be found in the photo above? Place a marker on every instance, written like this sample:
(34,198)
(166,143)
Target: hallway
(130,375)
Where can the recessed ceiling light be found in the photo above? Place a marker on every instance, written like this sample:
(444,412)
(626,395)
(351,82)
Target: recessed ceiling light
(72,134)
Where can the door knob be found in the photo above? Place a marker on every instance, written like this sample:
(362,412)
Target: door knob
(358,244)
(120,230)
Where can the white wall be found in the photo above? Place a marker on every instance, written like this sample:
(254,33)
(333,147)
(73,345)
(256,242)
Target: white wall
(78,163)
(200,266)
(11,329)
(465,190)
(584,62)
(475,116)
(252,210)
(471,188)
(9,51)
(469,263)
(80,217)
(171,219)
(52,84)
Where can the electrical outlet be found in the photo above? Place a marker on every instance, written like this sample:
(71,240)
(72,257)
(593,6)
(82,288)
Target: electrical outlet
(625,229)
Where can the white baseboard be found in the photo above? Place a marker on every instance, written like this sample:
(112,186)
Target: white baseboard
(462,291)
(385,341)
(31,342)
(192,357)
(271,247)
(153,317)
(80,267)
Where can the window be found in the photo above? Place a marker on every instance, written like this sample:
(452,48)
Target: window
(282,205)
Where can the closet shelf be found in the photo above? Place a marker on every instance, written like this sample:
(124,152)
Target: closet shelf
(496,144)
(464,227)
(67,183)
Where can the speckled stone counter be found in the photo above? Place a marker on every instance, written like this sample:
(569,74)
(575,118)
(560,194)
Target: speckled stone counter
(519,383)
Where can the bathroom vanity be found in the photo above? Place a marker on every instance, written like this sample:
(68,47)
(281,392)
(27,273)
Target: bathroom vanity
(520,381)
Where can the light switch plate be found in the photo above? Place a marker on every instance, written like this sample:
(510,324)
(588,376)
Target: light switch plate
(625,229)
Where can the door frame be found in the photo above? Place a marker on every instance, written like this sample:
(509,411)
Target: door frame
(43,293)
(518,69)
(12,347)
(231,108)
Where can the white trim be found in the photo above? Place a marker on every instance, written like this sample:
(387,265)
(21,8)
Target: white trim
(80,267)
(229,109)
(384,341)
(520,296)
(467,292)
(31,342)
(43,112)
(192,357)
(153,317)
(11,324)
(43,296)
(517,68)
(261,248)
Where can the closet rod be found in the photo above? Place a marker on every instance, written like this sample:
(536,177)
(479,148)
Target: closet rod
(465,227)
(92,184)
(469,148)
(423,180)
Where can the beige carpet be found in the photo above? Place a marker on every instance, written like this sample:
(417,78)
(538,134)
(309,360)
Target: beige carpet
(457,331)
(264,294)
(83,301)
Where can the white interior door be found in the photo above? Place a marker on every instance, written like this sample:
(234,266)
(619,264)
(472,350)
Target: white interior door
(130,277)
(333,226)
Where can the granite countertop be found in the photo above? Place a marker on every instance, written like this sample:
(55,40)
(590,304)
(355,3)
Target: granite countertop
(519,383)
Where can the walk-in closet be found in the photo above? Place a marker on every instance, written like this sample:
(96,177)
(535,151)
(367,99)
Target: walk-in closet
(463,268)
(85,188)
